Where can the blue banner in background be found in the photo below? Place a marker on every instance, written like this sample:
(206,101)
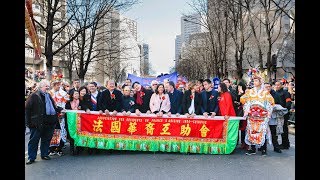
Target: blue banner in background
(147,81)
(216,82)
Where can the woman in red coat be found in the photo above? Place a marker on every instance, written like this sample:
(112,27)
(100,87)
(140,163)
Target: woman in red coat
(226,108)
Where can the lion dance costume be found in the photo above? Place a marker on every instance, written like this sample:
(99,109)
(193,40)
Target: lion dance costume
(257,106)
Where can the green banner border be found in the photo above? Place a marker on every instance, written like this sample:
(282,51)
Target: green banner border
(155,145)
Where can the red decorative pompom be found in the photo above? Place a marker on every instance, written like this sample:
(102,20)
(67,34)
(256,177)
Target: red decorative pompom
(191,97)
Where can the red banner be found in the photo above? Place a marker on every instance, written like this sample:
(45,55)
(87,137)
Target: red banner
(151,126)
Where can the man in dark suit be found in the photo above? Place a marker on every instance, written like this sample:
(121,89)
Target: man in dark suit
(95,95)
(110,99)
(41,115)
(75,86)
(209,96)
(175,99)
(142,98)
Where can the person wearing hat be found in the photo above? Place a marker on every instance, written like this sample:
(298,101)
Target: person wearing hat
(257,105)
(154,84)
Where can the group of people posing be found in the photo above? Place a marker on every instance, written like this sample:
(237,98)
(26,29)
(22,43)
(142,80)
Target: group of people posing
(44,115)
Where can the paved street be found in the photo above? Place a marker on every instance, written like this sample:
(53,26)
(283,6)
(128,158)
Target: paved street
(148,165)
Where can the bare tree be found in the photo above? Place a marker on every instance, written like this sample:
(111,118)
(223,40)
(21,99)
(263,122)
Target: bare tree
(215,20)
(71,53)
(58,14)
(238,31)
(194,62)
(87,47)
(272,20)
(249,5)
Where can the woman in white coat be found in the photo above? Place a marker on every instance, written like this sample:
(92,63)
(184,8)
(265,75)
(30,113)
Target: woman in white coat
(160,101)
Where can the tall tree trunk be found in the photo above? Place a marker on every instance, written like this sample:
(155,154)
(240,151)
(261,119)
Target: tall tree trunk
(70,75)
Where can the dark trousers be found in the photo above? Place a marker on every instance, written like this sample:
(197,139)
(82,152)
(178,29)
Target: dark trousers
(285,135)
(243,135)
(45,134)
(263,148)
(274,136)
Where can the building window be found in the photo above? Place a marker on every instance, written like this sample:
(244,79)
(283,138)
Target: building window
(36,8)
(31,52)
(58,14)
(286,26)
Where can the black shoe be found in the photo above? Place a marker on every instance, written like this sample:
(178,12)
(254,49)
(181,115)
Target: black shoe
(30,161)
(45,158)
(250,152)
(277,150)
(264,153)
(283,147)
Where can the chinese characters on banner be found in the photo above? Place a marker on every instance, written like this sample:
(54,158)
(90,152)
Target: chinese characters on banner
(151,126)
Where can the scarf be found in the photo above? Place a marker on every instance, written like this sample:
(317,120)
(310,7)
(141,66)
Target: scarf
(49,106)
(94,102)
(139,98)
(74,104)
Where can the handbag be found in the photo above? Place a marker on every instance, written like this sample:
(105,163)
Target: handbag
(55,141)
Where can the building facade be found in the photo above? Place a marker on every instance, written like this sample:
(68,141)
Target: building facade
(39,7)
(144,59)
(189,25)
(177,48)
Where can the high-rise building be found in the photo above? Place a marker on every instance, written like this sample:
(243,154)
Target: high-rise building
(118,36)
(189,25)
(130,55)
(144,59)
(132,26)
(108,39)
(177,48)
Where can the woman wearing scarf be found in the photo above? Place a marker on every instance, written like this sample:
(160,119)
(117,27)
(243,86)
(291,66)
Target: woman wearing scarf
(142,98)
